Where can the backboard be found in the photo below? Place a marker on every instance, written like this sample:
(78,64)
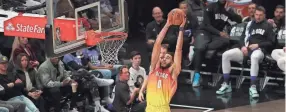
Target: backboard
(96,15)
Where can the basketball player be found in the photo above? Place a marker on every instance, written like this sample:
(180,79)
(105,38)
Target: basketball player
(162,80)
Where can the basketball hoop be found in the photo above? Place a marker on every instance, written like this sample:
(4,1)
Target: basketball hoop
(108,43)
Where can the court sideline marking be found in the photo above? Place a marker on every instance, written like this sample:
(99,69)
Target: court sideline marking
(193,107)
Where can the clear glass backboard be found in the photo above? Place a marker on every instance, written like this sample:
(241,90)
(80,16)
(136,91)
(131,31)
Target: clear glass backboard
(84,15)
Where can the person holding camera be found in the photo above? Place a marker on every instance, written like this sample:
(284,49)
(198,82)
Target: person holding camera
(137,73)
(124,101)
(56,82)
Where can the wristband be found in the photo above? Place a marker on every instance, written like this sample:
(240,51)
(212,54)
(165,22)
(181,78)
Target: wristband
(182,28)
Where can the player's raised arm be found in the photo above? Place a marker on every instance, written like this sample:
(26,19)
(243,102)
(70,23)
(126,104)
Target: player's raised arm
(157,45)
(178,52)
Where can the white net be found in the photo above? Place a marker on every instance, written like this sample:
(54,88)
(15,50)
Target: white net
(109,50)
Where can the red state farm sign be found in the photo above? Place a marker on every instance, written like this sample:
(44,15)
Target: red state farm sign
(25,26)
(34,27)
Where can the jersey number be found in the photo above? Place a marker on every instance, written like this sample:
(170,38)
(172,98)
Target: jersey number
(159,84)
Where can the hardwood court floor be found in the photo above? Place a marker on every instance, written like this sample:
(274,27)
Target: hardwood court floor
(271,106)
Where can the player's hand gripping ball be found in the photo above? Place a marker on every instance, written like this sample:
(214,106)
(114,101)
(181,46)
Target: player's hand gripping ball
(176,16)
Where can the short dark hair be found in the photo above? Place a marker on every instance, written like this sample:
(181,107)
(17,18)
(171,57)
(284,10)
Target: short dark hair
(280,7)
(252,3)
(183,2)
(171,53)
(134,53)
(260,8)
(165,46)
(121,68)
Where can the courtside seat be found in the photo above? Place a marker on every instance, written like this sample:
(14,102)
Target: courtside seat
(235,35)
(268,67)
(213,53)
(274,73)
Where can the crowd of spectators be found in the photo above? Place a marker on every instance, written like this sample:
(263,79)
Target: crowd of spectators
(29,82)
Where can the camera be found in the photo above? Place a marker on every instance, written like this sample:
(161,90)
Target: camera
(87,80)
(139,81)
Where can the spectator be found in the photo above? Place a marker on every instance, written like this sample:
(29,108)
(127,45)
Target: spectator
(77,62)
(280,56)
(195,9)
(56,81)
(13,87)
(211,36)
(30,80)
(279,18)
(136,71)
(123,99)
(164,50)
(153,28)
(9,106)
(25,47)
(259,38)
(94,63)
(251,10)
(39,48)
(190,28)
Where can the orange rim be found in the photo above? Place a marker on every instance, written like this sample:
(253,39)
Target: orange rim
(93,38)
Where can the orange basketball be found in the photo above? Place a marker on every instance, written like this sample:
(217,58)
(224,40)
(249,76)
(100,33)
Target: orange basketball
(176,16)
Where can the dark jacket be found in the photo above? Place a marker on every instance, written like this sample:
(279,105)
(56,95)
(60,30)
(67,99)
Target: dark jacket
(30,52)
(33,77)
(196,10)
(122,96)
(39,48)
(191,25)
(2,92)
(153,29)
(216,17)
(259,33)
(17,90)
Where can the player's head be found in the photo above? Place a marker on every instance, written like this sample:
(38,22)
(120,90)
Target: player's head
(157,14)
(23,41)
(251,9)
(163,51)
(167,60)
(279,12)
(259,14)
(124,73)
(183,6)
(135,58)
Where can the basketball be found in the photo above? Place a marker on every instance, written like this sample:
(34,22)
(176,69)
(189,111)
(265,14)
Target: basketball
(176,16)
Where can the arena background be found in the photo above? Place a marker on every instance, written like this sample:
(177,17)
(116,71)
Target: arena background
(140,11)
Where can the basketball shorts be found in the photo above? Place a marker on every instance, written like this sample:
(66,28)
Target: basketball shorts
(165,108)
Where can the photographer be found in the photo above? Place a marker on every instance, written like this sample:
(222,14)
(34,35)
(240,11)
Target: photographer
(78,62)
(137,73)
(123,101)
